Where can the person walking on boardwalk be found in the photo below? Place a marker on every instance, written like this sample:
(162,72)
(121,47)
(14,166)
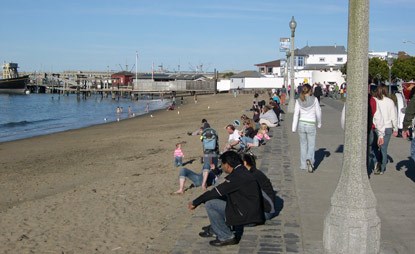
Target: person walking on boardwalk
(390,120)
(408,122)
(307,114)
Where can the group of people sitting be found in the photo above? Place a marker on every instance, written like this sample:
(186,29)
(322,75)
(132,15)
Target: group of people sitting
(267,114)
(245,197)
(251,135)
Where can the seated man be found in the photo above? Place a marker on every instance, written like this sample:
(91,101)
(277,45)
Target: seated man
(235,202)
(234,138)
(206,178)
(198,132)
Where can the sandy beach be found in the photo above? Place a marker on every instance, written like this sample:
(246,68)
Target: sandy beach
(106,188)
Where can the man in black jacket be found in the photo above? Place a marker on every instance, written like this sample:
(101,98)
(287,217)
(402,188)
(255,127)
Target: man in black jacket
(235,202)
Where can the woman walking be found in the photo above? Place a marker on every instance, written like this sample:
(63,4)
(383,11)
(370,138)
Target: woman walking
(307,114)
(390,121)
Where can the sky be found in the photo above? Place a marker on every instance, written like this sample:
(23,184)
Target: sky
(226,35)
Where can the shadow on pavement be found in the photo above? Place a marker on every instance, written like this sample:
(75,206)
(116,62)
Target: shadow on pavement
(409,165)
(319,156)
(340,149)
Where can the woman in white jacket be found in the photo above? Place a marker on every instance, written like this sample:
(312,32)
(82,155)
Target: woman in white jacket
(390,121)
(307,115)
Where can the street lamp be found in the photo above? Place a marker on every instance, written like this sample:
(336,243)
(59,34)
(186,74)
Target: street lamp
(293,25)
(389,59)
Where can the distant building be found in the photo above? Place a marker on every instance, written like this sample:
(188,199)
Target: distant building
(321,64)
(271,68)
(312,64)
(123,78)
(382,55)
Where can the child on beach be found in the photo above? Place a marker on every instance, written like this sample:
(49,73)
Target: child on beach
(261,136)
(178,155)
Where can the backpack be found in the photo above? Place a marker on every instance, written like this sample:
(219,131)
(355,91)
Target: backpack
(210,141)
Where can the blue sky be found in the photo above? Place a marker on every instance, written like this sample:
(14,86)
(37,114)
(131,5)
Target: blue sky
(57,35)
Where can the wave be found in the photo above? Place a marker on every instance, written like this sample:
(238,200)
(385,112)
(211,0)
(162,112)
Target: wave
(23,123)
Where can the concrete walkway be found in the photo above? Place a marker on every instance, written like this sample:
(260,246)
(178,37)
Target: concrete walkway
(394,190)
(299,226)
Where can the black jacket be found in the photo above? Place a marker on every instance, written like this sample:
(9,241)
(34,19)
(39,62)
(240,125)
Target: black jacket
(243,198)
(267,190)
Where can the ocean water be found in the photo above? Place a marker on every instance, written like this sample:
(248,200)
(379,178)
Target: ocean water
(23,116)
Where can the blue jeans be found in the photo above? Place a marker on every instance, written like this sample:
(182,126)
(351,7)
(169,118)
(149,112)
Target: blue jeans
(307,133)
(382,153)
(273,213)
(372,148)
(197,179)
(209,158)
(413,149)
(178,161)
(215,209)
(245,140)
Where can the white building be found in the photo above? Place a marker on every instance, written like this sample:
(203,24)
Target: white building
(315,64)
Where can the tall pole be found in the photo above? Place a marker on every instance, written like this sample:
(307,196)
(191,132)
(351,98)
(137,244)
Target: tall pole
(352,224)
(293,25)
(389,60)
(286,74)
(136,69)
(390,79)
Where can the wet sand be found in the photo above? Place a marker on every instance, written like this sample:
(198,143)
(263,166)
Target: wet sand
(106,188)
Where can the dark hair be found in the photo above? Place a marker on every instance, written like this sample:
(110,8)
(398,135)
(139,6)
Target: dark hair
(231,158)
(306,89)
(381,91)
(249,159)
(230,126)
(204,120)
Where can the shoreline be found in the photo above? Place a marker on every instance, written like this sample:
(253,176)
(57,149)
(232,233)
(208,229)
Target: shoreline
(106,186)
(75,126)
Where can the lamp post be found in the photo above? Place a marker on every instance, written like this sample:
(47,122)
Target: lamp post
(389,59)
(352,224)
(293,25)
(286,74)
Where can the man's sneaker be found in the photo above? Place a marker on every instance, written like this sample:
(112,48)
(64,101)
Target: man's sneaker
(219,243)
(206,234)
(206,228)
(310,166)
(377,169)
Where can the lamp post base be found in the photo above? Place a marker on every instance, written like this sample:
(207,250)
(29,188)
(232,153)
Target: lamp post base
(351,231)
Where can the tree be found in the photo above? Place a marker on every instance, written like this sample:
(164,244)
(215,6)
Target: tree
(378,70)
(404,68)
(226,75)
(343,69)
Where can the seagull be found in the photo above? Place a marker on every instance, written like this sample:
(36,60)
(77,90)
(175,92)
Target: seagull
(151,115)
(178,112)
(105,119)
(208,107)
